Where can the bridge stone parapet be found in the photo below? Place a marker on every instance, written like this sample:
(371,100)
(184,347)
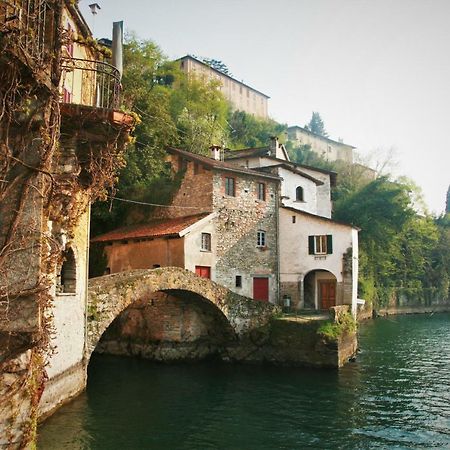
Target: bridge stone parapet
(111,294)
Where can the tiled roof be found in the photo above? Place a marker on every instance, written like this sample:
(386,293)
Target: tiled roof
(221,165)
(155,228)
(264,151)
(322,218)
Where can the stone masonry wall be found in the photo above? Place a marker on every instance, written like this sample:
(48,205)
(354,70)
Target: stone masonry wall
(168,328)
(238,220)
(194,194)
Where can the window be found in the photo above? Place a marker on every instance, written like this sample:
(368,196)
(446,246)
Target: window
(261,191)
(320,244)
(196,169)
(206,242)
(299,194)
(68,275)
(261,239)
(294,219)
(230,188)
(238,281)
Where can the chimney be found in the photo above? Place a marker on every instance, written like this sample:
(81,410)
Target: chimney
(117,45)
(273,145)
(216,152)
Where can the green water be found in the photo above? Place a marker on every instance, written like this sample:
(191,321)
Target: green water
(396,395)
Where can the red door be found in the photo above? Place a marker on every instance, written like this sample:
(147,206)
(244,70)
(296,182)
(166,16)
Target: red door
(203,271)
(261,289)
(327,291)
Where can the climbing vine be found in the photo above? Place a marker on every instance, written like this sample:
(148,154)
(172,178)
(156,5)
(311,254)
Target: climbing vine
(49,172)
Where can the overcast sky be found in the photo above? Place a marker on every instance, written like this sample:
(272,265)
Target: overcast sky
(378,71)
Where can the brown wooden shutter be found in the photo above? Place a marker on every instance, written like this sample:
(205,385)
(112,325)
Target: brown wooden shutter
(311,245)
(329,244)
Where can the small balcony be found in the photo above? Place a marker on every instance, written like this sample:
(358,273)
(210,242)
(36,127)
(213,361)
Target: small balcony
(30,25)
(90,83)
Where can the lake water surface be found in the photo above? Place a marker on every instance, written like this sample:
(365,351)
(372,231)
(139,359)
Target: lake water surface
(396,395)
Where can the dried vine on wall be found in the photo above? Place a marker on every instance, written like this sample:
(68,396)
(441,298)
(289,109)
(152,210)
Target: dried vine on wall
(40,200)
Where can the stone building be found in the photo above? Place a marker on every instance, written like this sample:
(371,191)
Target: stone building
(326,148)
(241,96)
(318,256)
(62,150)
(228,230)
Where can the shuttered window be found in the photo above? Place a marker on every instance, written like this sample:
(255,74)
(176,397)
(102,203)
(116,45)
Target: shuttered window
(320,244)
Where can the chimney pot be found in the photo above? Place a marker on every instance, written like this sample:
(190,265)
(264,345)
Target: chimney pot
(216,152)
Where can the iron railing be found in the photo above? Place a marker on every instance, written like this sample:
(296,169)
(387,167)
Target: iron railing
(30,22)
(90,83)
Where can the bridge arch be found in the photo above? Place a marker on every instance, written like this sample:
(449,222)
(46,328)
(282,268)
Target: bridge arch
(110,295)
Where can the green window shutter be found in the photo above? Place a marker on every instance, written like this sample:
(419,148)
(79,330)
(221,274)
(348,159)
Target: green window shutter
(329,244)
(311,245)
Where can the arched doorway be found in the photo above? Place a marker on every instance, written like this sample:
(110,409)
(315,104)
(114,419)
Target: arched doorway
(320,290)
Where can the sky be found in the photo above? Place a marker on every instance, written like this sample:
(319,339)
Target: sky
(377,71)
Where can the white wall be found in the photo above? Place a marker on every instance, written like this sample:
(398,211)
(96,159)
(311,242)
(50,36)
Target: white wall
(288,191)
(193,254)
(295,262)
(69,309)
(324,204)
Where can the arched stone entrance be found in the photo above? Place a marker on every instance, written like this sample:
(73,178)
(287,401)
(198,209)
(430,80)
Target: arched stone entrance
(321,290)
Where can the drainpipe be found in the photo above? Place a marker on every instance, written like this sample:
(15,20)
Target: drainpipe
(117,46)
(277,209)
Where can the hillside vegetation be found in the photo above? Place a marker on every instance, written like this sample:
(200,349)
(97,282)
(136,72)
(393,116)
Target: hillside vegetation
(401,251)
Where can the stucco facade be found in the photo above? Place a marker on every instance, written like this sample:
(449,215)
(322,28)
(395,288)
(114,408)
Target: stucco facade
(297,259)
(241,96)
(326,148)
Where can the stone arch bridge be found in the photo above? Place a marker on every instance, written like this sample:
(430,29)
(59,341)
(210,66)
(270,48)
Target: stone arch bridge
(110,295)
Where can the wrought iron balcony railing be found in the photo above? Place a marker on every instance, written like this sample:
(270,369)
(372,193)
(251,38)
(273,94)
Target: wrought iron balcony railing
(31,23)
(90,83)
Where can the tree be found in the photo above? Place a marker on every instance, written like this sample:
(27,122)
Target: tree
(316,125)
(217,65)
(247,130)
(174,110)
(200,112)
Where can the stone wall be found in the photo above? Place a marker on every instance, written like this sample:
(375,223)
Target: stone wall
(292,342)
(195,191)
(237,222)
(168,328)
(110,295)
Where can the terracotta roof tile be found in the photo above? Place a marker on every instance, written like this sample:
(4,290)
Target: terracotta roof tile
(155,228)
(221,165)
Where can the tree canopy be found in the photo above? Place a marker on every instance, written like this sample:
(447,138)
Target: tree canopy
(316,125)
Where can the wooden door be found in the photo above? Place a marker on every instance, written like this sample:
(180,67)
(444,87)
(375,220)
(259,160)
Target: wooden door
(327,294)
(203,271)
(261,289)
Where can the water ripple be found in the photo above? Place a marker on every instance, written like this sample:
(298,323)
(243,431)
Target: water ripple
(396,396)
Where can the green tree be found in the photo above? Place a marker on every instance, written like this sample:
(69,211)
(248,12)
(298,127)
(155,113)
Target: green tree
(200,112)
(174,110)
(316,125)
(247,130)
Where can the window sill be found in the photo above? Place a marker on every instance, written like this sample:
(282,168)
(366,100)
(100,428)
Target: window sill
(66,294)
(262,248)
(320,257)
(205,251)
